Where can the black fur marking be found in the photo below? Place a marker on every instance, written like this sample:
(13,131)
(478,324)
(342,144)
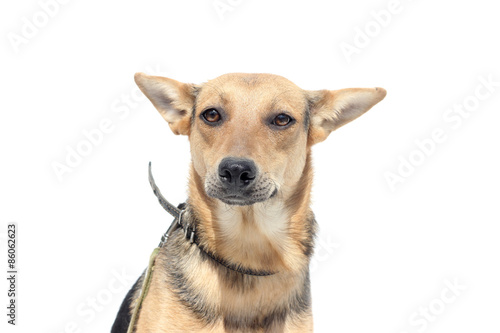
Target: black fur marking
(310,102)
(237,281)
(308,243)
(298,304)
(193,112)
(236,323)
(122,320)
(191,298)
(302,301)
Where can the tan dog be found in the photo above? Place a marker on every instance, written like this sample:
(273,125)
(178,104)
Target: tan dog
(249,197)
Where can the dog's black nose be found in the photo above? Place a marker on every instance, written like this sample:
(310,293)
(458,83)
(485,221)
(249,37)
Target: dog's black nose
(237,172)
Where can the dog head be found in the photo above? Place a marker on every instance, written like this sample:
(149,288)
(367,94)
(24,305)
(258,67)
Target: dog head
(250,133)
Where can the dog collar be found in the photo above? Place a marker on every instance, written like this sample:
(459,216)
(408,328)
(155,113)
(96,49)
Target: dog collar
(190,232)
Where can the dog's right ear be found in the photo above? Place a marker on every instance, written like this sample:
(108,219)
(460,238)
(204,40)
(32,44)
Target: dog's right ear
(173,99)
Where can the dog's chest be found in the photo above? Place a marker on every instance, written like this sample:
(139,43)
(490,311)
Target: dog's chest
(197,296)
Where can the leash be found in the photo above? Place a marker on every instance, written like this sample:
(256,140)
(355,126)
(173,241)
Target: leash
(190,234)
(144,290)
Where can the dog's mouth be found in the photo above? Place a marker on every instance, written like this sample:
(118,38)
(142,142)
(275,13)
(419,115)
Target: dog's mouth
(239,200)
(261,191)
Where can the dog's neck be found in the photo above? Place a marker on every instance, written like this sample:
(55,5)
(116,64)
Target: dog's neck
(272,236)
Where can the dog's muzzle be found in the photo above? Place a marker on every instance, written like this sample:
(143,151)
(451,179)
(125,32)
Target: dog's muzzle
(238,183)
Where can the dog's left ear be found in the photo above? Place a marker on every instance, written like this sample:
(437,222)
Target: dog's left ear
(173,99)
(331,109)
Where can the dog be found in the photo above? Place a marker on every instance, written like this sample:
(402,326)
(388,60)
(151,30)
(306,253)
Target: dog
(248,204)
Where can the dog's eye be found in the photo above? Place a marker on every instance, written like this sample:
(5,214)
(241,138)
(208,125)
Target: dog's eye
(282,120)
(211,115)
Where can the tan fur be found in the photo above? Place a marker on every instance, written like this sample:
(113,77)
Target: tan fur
(268,235)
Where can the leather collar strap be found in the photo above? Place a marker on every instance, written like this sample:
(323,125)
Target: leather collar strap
(190,232)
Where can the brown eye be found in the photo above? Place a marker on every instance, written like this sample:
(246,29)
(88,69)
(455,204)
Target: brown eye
(282,120)
(211,115)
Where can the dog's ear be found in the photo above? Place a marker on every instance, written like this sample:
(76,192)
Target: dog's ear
(331,109)
(173,99)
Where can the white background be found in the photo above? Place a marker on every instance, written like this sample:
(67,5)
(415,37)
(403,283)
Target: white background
(383,253)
